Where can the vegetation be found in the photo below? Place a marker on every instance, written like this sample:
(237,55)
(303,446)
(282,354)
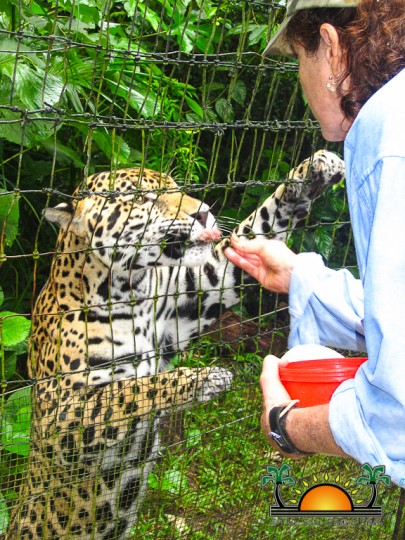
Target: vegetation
(209,483)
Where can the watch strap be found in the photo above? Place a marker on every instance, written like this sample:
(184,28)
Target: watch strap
(278,432)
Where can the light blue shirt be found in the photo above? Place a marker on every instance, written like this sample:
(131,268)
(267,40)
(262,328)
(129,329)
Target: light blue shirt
(367,413)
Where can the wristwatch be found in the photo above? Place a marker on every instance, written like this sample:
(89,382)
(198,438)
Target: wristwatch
(278,432)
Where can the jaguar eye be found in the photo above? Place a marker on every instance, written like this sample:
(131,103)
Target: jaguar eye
(146,197)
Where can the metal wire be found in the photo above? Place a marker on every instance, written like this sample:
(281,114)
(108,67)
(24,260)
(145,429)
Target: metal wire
(180,87)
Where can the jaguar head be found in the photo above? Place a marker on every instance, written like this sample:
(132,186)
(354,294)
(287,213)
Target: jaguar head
(136,219)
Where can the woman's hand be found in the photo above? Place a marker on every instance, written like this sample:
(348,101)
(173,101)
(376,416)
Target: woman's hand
(274,395)
(270,262)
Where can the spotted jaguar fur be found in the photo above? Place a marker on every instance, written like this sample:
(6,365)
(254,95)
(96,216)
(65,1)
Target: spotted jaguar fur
(135,278)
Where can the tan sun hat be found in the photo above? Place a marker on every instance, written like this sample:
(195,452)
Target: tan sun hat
(277,44)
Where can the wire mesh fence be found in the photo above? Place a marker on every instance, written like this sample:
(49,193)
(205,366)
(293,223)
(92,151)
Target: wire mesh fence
(136,415)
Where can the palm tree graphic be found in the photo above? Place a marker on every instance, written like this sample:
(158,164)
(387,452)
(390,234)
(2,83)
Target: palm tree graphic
(371,477)
(279,477)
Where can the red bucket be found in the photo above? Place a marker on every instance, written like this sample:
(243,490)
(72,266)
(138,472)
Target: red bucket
(314,381)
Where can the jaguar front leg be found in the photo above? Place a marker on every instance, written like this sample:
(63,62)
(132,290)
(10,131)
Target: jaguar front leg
(94,449)
(218,278)
(119,402)
(291,202)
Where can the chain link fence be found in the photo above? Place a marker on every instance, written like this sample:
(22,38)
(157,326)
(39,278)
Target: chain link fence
(179,87)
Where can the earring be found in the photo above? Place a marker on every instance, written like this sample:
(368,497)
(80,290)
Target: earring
(331,84)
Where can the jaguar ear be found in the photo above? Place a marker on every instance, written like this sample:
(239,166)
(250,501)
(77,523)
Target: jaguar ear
(66,216)
(61,214)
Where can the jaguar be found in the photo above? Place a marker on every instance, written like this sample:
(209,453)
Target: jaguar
(139,270)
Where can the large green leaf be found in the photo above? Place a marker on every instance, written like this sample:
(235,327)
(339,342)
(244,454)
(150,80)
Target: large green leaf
(64,154)
(239,92)
(35,88)
(14,440)
(15,128)
(138,94)
(173,481)
(20,399)
(114,148)
(14,328)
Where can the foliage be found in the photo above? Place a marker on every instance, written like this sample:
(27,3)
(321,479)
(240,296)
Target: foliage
(90,85)
(123,85)
(15,422)
(328,232)
(14,331)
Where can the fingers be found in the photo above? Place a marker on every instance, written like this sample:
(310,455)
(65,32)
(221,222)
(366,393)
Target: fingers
(246,254)
(248,263)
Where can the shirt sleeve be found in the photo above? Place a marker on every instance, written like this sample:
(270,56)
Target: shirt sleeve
(326,306)
(367,413)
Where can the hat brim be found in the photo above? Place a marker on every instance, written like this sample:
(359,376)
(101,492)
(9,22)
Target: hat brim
(278,43)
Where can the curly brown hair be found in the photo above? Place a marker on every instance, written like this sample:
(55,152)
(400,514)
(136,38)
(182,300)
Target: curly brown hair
(373,37)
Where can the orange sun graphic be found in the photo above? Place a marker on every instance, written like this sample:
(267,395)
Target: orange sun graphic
(325,497)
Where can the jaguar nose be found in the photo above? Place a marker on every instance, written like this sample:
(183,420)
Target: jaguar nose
(201,217)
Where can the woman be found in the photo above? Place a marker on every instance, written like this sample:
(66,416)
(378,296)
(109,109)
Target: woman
(351,65)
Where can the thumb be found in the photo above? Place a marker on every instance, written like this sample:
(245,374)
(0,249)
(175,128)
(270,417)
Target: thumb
(270,372)
(272,389)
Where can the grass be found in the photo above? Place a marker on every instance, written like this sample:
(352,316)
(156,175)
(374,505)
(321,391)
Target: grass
(207,485)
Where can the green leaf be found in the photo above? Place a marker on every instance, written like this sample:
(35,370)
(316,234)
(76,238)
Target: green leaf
(9,216)
(259,33)
(9,364)
(225,110)
(63,153)
(323,241)
(118,150)
(153,19)
(194,106)
(1,296)
(143,100)
(86,14)
(18,399)
(34,87)
(16,424)
(33,133)
(14,328)
(239,92)
(173,481)
(153,481)
(4,514)
(16,442)
(23,420)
